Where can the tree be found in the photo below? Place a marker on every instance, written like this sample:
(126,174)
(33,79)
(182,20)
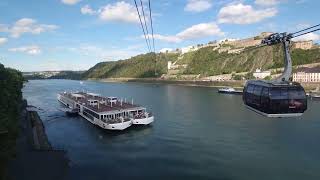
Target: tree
(237,77)
(267,78)
(249,75)
(11,83)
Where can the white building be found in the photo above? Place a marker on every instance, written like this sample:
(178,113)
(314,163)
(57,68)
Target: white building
(172,66)
(303,44)
(188,49)
(261,74)
(307,75)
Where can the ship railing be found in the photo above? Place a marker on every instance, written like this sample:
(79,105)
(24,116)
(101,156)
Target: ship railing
(143,115)
(116,120)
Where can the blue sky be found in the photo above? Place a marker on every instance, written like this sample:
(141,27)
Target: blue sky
(76,34)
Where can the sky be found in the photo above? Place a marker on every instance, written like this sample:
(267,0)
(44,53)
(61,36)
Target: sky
(40,35)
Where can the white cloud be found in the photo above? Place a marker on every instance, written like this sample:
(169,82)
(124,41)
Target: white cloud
(244,14)
(87,10)
(307,37)
(267,2)
(3,40)
(31,50)
(70,2)
(116,12)
(3,28)
(200,30)
(120,11)
(26,25)
(198,5)
(193,32)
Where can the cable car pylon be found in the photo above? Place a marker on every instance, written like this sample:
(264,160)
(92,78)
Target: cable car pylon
(278,97)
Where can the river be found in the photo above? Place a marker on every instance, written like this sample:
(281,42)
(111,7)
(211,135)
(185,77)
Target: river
(197,134)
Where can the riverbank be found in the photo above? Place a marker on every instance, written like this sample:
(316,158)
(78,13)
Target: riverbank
(35,158)
(238,84)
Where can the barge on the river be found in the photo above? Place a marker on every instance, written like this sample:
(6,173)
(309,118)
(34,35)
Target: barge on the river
(106,112)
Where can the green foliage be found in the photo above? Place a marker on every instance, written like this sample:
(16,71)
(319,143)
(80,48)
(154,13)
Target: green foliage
(75,75)
(237,77)
(249,76)
(268,78)
(11,83)
(204,61)
(141,66)
(186,58)
(300,56)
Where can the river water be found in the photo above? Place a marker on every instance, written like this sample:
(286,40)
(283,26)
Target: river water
(197,134)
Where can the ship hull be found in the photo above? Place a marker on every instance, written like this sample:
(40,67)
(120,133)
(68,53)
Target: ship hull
(143,121)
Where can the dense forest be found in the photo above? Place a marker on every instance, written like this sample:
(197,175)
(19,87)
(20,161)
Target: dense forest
(74,75)
(204,61)
(141,66)
(11,83)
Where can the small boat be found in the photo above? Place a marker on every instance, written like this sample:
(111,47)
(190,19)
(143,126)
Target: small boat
(229,90)
(315,96)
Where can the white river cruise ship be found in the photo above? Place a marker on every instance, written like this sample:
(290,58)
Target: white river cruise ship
(106,112)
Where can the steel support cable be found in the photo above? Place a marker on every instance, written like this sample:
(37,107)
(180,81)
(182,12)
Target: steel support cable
(255,47)
(151,23)
(306,29)
(145,37)
(306,33)
(145,24)
(152,35)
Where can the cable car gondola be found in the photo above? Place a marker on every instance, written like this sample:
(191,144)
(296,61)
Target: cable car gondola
(275,99)
(279,97)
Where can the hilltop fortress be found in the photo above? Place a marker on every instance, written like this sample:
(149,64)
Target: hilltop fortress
(232,46)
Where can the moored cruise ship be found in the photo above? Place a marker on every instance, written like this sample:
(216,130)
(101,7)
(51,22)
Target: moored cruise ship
(106,112)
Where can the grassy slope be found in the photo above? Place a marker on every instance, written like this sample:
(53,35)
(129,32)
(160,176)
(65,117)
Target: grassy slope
(205,61)
(140,66)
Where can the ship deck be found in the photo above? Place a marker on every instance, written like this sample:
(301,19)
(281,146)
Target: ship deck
(102,107)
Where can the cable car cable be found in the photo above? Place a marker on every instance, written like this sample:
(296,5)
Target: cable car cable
(145,23)
(150,14)
(152,35)
(306,33)
(145,37)
(306,29)
(254,47)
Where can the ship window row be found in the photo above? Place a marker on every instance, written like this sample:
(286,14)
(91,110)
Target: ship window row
(88,115)
(112,116)
(65,99)
(91,113)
